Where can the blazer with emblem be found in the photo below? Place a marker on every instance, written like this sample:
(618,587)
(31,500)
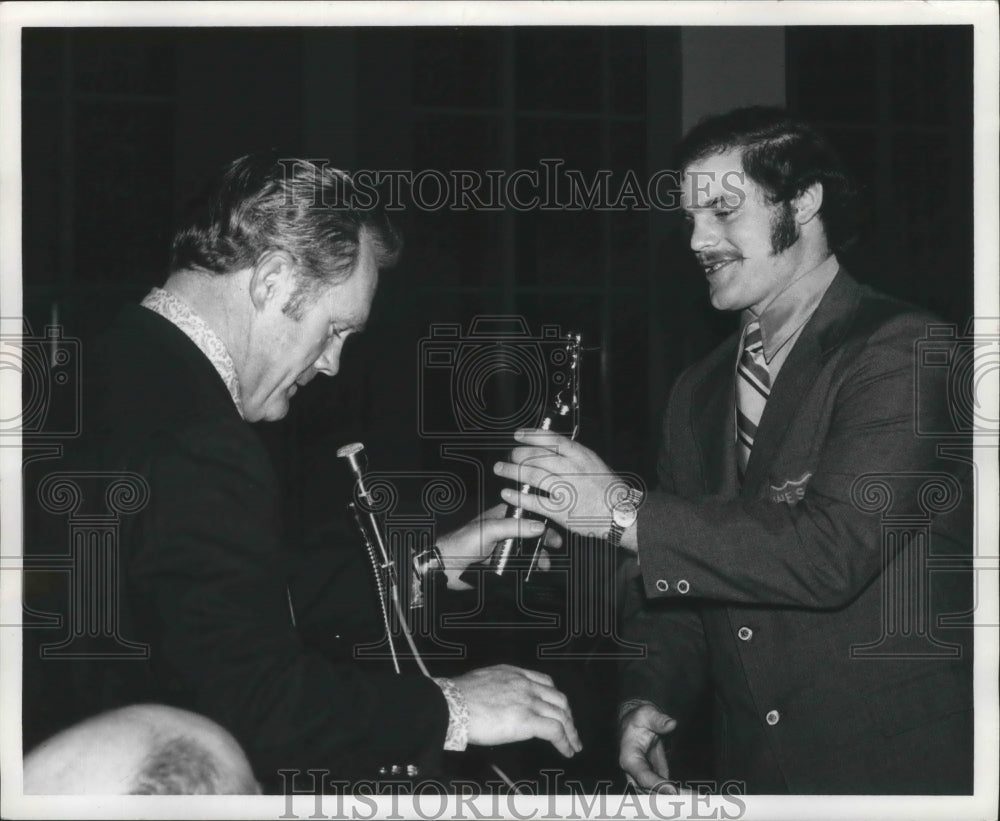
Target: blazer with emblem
(825,604)
(207,579)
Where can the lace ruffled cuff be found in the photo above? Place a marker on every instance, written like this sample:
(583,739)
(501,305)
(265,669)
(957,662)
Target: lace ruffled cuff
(457,737)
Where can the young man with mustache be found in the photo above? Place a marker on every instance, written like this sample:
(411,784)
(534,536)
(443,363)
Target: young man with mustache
(767,575)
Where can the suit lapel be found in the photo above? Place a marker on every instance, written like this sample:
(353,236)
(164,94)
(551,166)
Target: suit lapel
(713,410)
(821,333)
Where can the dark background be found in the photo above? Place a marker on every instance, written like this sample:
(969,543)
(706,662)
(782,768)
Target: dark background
(121,127)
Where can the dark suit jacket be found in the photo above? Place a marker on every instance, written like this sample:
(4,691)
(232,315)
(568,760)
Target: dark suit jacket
(206,575)
(804,600)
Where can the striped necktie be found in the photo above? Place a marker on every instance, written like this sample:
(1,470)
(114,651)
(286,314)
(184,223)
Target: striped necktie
(753,385)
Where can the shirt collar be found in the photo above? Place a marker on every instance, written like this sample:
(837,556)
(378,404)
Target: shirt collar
(791,309)
(175,310)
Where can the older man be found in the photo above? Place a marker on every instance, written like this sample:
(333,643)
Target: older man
(783,574)
(268,279)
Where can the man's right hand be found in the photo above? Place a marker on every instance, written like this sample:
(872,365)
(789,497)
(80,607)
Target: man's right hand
(476,540)
(640,748)
(513,704)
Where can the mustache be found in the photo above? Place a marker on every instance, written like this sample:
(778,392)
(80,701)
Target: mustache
(708,259)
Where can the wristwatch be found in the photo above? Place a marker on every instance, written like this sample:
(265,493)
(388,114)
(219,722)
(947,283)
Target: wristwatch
(623,515)
(428,560)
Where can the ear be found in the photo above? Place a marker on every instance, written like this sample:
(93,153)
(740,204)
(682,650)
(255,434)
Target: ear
(272,278)
(807,203)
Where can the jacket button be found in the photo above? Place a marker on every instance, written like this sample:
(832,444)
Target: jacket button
(662,586)
(745,633)
(683,586)
(773,717)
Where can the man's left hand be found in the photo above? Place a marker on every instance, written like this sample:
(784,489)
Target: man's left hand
(578,490)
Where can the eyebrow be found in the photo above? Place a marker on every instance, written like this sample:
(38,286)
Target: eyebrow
(722,201)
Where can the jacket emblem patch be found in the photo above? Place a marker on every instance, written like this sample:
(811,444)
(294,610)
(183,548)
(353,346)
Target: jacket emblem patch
(792,491)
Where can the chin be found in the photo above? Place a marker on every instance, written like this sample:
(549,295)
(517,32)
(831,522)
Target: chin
(269,413)
(274,414)
(721,302)
(729,299)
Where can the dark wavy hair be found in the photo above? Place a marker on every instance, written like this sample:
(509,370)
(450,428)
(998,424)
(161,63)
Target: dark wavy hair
(783,155)
(262,202)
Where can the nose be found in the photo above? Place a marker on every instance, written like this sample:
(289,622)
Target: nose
(703,235)
(329,361)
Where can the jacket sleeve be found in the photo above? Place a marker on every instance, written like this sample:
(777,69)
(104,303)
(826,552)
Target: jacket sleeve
(673,672)
(822,551)
(210,568)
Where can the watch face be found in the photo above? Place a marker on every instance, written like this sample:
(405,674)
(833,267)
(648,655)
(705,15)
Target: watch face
(624,514)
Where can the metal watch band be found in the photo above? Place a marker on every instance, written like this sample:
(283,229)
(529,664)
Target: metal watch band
(617,531)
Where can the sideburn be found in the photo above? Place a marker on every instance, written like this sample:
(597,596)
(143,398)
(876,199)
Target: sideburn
(784,229)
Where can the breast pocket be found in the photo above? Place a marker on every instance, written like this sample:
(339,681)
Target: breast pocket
(789,486)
